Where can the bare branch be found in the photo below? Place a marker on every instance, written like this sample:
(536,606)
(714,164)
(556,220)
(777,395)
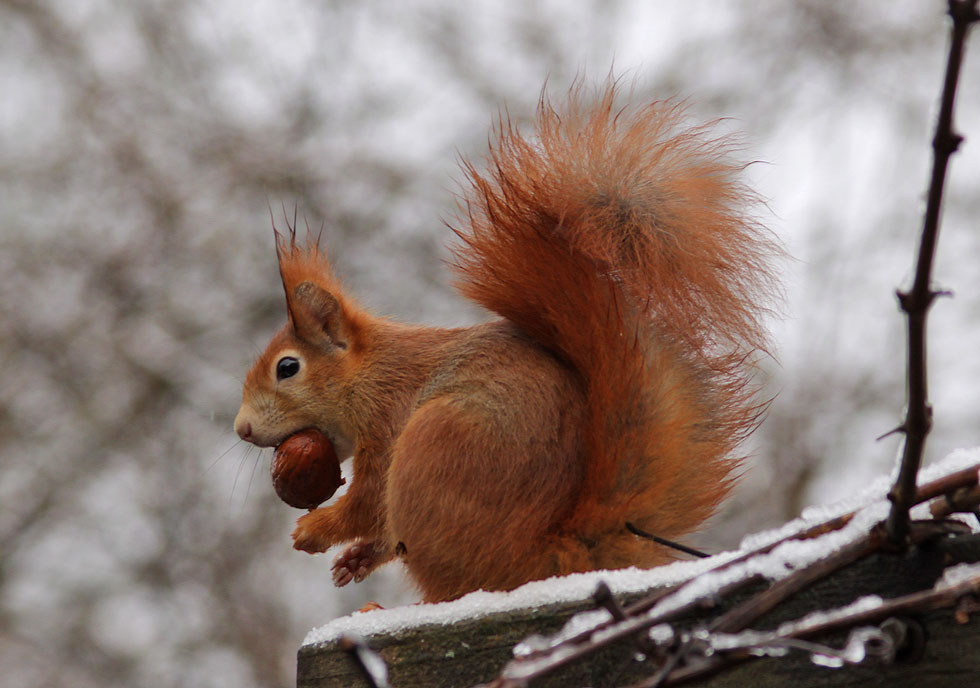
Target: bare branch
(916,301)
(943,595)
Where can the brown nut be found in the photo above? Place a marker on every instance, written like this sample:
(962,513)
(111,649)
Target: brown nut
(305,469)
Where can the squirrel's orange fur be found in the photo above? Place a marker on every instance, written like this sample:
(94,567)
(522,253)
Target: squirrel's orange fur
(618,248)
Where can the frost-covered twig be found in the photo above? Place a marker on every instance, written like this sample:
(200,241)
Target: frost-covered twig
(793,562)
(916,301)
(958,582)
(741,616)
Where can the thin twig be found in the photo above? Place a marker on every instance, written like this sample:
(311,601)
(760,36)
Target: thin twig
(749,611)
(741,616)
(665,542)
(916,301)
(964,500)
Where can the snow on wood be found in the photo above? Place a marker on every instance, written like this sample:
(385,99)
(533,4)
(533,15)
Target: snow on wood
(870,507)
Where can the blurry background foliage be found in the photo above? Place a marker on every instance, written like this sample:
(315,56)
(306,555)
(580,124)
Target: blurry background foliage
(141,146)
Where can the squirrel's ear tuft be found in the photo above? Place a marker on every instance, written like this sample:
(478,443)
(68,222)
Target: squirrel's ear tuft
(318,311)
(316,315)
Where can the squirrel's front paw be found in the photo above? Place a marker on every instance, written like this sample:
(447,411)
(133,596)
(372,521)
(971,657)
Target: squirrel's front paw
(307,536)
(354,563)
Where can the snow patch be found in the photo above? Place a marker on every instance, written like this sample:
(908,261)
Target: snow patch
(557,590)
(955,576)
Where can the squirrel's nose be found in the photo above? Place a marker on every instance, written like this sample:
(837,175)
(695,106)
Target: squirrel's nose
(243,427)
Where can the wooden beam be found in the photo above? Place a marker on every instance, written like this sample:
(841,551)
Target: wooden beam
(473,651)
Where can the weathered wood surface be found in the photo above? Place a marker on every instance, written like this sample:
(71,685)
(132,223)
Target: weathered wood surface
(473,651)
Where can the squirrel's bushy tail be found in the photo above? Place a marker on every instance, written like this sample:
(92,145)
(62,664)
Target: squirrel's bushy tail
(624,243)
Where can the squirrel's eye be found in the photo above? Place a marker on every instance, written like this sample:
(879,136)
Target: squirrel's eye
(286,367)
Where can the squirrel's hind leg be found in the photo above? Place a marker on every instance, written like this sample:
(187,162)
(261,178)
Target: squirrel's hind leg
(477,504)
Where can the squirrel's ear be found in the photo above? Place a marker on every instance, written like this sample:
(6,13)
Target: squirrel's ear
(316,315)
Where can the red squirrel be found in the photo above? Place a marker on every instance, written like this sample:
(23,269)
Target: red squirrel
(618,248)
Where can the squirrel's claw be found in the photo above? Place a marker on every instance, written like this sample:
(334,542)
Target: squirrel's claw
(354,564)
